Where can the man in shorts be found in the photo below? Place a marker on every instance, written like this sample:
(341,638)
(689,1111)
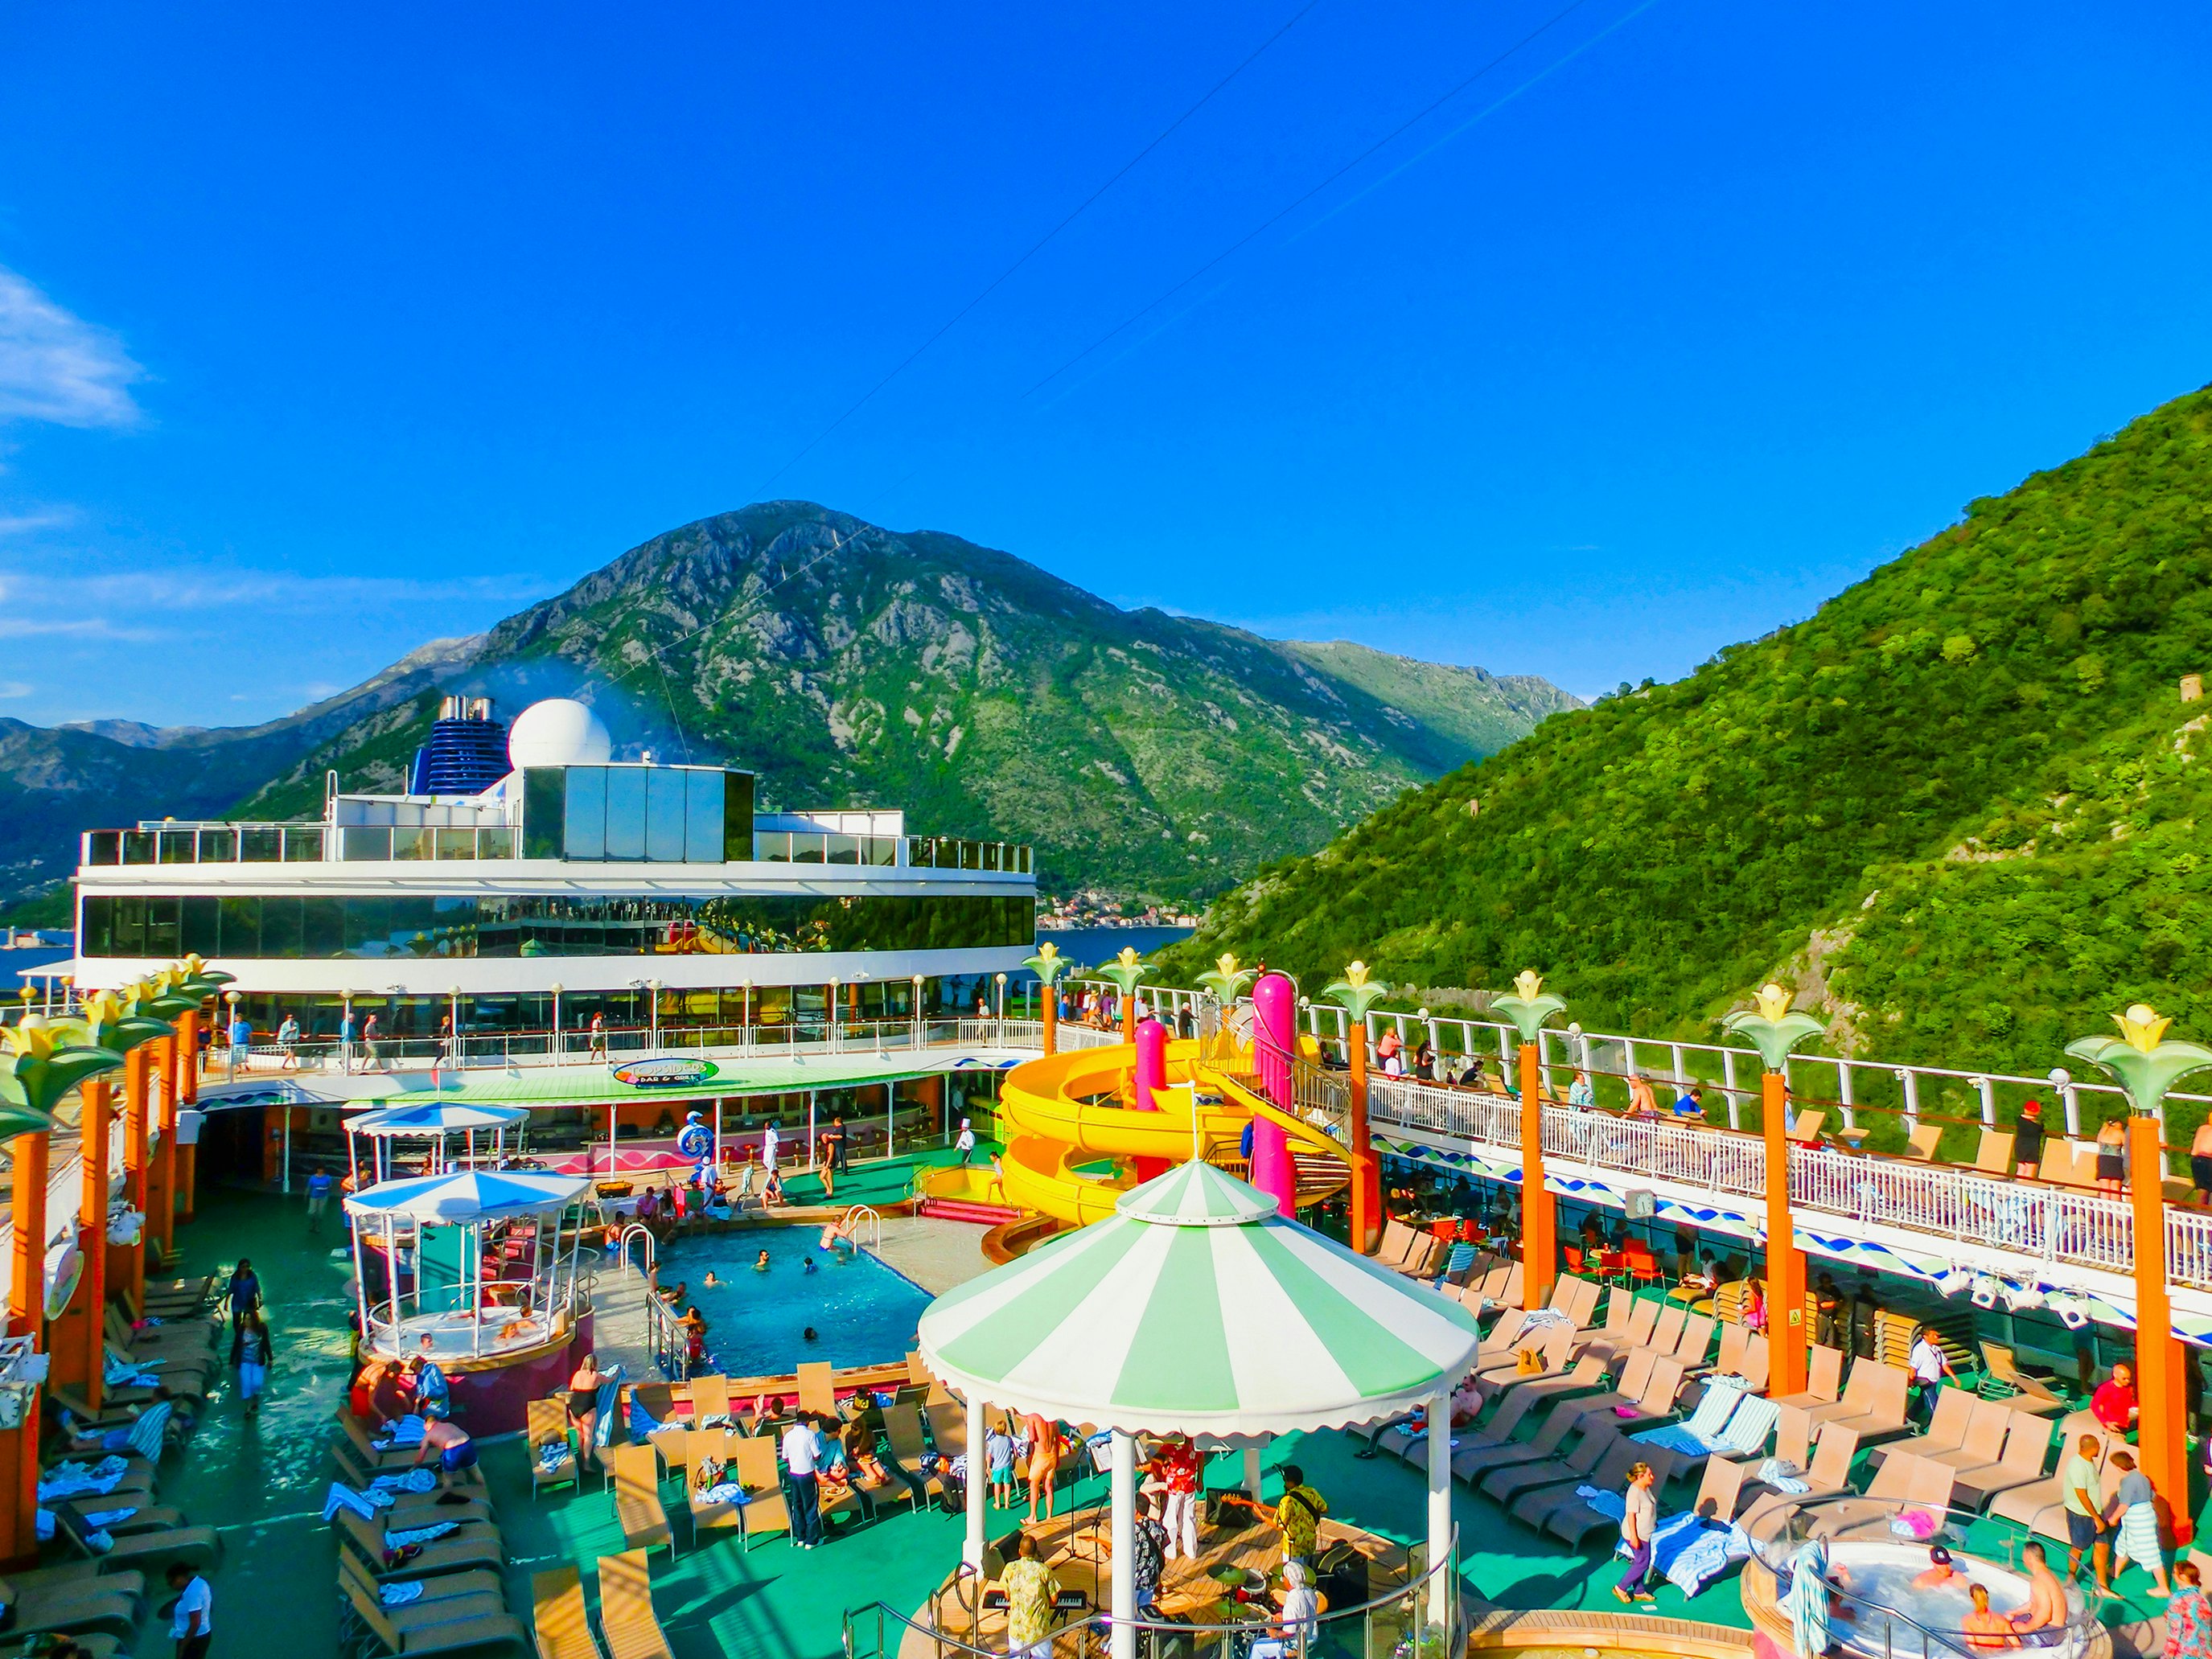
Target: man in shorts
(318,1199)
(2084,1510)
(455,1452)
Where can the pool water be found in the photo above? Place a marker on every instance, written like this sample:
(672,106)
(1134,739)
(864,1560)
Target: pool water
(864,1313)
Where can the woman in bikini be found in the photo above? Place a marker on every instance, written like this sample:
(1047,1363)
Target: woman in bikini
(1044,1463)
(584,1386)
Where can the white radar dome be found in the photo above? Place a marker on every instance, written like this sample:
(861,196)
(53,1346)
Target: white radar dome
(558,731)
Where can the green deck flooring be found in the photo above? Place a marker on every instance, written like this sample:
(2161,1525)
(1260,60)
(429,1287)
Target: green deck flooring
(262,1482)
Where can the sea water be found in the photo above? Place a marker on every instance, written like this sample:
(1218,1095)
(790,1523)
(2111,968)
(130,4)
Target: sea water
(863,1312)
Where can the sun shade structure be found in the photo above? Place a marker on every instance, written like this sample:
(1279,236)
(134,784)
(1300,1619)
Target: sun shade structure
(468,1195)
(1198,1308)
(450,1118)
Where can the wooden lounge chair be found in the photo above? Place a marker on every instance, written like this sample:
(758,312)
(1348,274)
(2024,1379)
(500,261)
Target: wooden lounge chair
(1507,1484)
(710,1402)
(1922,1142)
(439,1637)
(903,1432)
(1397,1240)
(1993,1153)
(1564,1512)
(2026,1449)
(471,1546)
(626,1615)
(708,1455)
(547,1425)
(78,1608)
(916,1372)
(1806,1131)
(764,1508)
(1552,1346)
(816,1391)
(1757,1362)
(1824,1380)
(635,1472)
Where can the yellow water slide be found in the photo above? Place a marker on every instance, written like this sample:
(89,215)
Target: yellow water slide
(1075,1109)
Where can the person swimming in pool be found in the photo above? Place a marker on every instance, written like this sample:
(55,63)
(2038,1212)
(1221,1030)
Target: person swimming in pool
(808,1265)
(760,1264)
(710,1279)
(1939,1570)
(810,1334)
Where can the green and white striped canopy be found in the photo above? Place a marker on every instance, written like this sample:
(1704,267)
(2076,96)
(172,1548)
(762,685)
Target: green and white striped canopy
(1197,1307)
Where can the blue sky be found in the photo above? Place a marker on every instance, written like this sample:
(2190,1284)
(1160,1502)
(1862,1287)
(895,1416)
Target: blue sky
(322,334)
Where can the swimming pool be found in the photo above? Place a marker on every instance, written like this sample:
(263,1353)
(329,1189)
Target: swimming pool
(864,1313)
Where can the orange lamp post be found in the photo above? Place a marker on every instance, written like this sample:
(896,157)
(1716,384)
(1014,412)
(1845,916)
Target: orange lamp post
(1528,1006)
(1128,970)
(1356,994)
(2146,1066)
(1047,964)
(1774,1029)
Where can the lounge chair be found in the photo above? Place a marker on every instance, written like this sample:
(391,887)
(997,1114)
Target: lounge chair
(708,1455)
(1667,1333)
(78,1606)
(636,1472)
(1859,1396)
(1695,1343)
(1757,1362)
(948,1428)
(1720,1493)
(764,1509)
(1651,1404)
(1553,1346)
(1823,1379)
(1585,1376)
(471,1546)
(1642,1318)
(1829,1473)
(1629,1383)
(1564,1512)
(1989,1425)
(1922,1142)
(197,1547)
(358,1455)
(2041,1506)
(1946,1430)
(1993,1154)
(817,1392)
(1901,1482)
(2003,1370)
(1475,1460)
(1884,1415)
(442,1636)
(2026,1449)
(1507,1484)
(450,1598)
(916,1372)
(1736,1346)
(1401,1440)
(1575,1297)
(1793,1441)
(1701,1434)
(626,1615)
(547,1425)
(1397,1239)
(903,1432)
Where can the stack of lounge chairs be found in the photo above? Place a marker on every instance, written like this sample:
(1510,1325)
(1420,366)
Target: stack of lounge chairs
(420,1575)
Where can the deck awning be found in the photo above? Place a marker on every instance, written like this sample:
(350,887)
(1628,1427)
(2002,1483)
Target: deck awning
(468,1195)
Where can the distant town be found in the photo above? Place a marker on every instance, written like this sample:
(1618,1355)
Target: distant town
(1088,908)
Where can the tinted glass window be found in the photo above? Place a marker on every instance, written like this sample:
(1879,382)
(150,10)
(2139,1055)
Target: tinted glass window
(178,847)
(218,847)
(737,816)
(545,813)
(587,836)
(303,845)
(625,812)
(203,926)
(365,841)
(104,847)
(664,815)
(703,818)
(260,846)
(280,927)
(242,927)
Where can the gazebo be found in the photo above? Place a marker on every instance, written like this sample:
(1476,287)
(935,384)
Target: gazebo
(475,1272)
(434,1123)
(1198,1308)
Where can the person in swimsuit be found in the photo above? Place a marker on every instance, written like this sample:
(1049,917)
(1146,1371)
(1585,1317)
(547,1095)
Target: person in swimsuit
(2111,1156)
(2043,1620)
(1044,1463)
(2200,1165)
(584,1385)
(1986,1632)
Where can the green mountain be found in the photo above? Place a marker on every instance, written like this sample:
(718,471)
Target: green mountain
(850,666)
(1964,805)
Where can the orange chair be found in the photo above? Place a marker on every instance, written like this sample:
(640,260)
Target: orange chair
(1640,1266)
(1573,1255)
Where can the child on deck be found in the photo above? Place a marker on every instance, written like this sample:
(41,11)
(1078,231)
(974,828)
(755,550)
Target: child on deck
(998,1456)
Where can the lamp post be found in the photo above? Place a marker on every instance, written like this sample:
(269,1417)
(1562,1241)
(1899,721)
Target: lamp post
(1047,964)
(653,1003)
(1225,981)
(1528,1006)
(1002,997)
(1356,994)
(2146,1067)
(230,1032)
(1126,971)
(453,1016)
(917,1010)
(556,988)
(1774,1031)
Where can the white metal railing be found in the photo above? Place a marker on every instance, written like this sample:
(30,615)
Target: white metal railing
(2037,1222)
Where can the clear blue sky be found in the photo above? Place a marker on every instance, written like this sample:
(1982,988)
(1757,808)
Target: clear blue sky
(324,333)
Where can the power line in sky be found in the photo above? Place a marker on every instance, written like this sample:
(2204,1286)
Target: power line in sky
(1034,248)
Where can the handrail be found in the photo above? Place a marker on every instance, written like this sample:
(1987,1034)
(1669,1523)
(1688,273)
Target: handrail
(858,1214)
(635,1230)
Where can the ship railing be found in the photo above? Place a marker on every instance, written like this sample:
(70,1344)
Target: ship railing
(2037,1222)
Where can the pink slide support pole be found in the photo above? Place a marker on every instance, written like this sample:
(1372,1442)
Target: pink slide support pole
(1152,1076)
(1274,1034)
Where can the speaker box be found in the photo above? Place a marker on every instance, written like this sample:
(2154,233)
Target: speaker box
(999,1552)
(1341,1574)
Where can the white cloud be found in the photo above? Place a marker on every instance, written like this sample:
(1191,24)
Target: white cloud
(25,524)
(16,688)
(57,366)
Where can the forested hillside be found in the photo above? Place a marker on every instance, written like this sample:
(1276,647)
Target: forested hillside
(1970,781)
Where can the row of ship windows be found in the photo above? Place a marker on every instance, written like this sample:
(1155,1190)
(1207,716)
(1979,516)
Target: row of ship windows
(286,927)
(378,843)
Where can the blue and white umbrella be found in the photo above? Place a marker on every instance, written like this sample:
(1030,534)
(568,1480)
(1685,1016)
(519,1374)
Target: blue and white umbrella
(468,1195)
